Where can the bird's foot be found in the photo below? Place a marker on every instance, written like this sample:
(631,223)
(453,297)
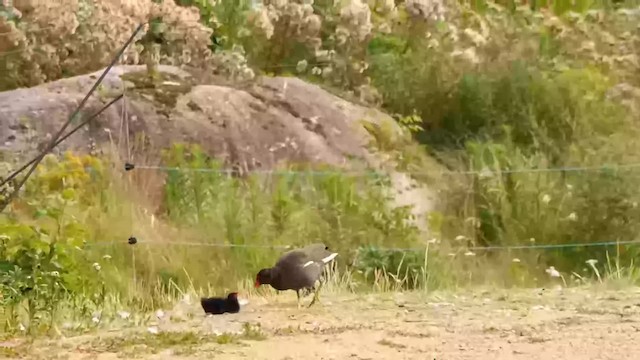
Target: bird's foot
(316,299)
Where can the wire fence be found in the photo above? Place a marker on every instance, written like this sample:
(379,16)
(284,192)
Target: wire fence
(134,242)
(485,172)
(491,248)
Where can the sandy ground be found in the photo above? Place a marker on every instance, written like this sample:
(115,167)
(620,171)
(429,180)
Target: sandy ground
(521,324)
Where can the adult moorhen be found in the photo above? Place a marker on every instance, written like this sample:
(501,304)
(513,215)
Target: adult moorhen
(298,269)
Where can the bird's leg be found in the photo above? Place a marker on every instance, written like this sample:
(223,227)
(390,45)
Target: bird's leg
(298,294)
(316,294)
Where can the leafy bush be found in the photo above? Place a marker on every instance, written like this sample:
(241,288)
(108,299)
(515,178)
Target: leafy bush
(42,255)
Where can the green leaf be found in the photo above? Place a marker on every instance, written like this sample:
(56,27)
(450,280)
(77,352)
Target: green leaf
(68,194)
(6,266)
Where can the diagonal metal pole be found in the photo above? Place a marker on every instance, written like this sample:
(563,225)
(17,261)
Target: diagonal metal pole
(75,129)
(73,115)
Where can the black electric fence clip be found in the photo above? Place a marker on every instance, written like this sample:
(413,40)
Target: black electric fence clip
(129,166)
(132,241)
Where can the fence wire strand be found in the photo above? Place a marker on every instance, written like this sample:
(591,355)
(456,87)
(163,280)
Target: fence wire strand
(485,172)
(414,249)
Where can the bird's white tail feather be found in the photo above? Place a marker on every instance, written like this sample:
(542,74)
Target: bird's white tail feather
(329,258)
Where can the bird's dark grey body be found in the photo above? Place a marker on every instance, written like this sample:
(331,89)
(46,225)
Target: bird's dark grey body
(291,271)
(297,269)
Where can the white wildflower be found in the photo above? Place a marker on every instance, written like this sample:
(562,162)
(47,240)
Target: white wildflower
(546,198)
(475,37)
(316,71)
(355,19)
(302,65)
(572,216)
(469,54)
(124,314)
(485,173)
(460,238)
(552,272)
(432,241)
(153,330)
(97,266)
(248,73)
(532,240)
(96,317)
(515,260)
(264,22)
(385,6)
(569,187)
(592,263)
(21,327)
(322,55)
(469,253)
(186,299)
(55,274)
(313,23)
(159,314)
(107,257)
(451,254)
(433,10)
(384,28)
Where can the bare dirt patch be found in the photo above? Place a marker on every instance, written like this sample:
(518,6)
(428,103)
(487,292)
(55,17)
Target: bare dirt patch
(522,324)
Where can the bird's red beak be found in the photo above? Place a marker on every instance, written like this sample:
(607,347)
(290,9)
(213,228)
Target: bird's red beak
(257,284)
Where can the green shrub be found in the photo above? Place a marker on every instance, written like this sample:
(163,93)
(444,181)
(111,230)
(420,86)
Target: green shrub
(42,257)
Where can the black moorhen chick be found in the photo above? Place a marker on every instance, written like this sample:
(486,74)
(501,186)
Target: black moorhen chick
(298,269)
(217,305)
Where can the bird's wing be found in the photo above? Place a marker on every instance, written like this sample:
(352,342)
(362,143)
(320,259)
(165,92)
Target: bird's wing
(319,252)
(310,257)
(292,257)
(295,260)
